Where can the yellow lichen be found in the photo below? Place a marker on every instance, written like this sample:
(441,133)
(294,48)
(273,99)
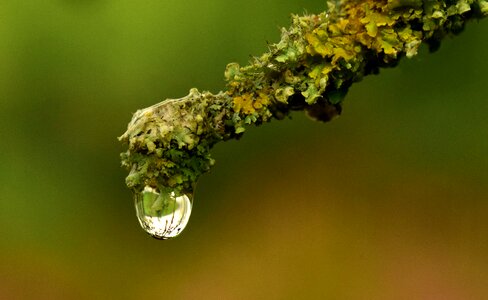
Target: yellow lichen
(249,103)
(244,103)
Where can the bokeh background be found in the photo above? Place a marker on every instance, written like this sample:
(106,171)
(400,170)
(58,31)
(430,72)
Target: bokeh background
(390,201)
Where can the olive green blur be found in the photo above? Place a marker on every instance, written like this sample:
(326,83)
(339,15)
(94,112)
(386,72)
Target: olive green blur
(389,201)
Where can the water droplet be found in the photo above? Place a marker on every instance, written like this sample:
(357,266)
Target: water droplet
(161,213)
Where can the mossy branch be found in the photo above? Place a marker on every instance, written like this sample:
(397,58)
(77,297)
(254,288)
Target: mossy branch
(310,69)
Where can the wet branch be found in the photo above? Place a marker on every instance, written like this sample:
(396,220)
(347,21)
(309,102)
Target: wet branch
(311,68)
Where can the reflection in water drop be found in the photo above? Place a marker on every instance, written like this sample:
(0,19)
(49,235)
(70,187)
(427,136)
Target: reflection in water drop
(162,214)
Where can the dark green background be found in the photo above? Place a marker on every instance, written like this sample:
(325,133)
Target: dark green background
(390,201)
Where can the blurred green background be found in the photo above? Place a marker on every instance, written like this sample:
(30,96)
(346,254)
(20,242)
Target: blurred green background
(390,201)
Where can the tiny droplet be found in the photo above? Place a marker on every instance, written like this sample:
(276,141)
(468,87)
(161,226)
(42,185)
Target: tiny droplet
(161,213)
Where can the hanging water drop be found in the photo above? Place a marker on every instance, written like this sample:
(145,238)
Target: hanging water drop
(162,214)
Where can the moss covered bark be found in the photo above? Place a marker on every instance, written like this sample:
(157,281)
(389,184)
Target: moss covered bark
(311,68)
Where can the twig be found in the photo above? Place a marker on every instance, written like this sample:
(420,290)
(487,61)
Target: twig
(310,69)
